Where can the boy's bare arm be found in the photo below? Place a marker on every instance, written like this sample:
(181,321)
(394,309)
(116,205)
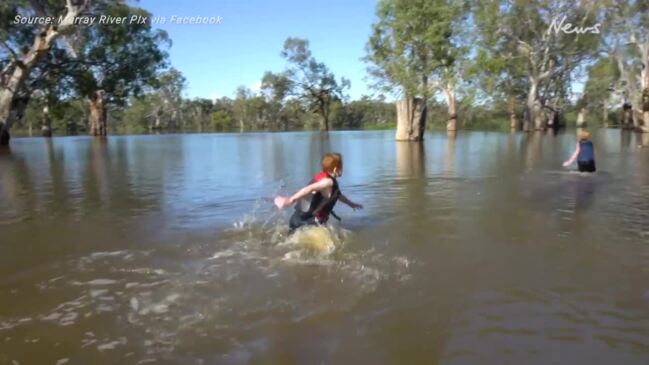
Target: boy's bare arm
(350,203)
(305,191)
(283,201)
(573,157)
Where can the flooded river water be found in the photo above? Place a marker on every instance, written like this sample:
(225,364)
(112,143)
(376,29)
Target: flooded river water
(475,249)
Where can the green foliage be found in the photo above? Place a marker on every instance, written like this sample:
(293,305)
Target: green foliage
(221,121)
(601,78)
(412,44)
(276,86)
(136,118)
(119,60)
(366,113)
(488,51)
(311,81)
(519,45)
(626,42)
(67,117)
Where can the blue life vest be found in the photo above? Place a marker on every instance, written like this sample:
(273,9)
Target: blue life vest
(586,151)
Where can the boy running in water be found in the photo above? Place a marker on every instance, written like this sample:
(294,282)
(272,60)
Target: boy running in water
(315,202)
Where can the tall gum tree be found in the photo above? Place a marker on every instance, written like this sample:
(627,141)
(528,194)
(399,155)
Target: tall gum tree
(499,72)
(627,44)
(311,81)
(275,87)
(115,62)
(551,38)
(22,46)
(411,49)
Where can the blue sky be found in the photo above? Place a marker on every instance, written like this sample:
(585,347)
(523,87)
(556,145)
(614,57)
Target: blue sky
(217,58)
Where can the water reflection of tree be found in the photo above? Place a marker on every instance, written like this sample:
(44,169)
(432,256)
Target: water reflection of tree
(531,147)
(410,160)
(643,139)
(113,172)
(95,177)
(625,137)
(60,198)
(319,144)
(16,185)
(411,202)
(449,157)
(642,162)
(276,167)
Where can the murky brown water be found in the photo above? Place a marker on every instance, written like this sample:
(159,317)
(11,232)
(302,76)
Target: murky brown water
(477,249)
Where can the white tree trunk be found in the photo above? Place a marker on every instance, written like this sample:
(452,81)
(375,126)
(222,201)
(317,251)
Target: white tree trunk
(530,114)
(540,119)
(627,116)
(46,128)
(451,122)
(7,92)
(18,71)
(513,122)
(644,126)
(411,119)
(581,118)
(97,116)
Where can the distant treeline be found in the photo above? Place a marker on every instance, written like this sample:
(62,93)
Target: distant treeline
(165,110)
(247,112)
(454,64)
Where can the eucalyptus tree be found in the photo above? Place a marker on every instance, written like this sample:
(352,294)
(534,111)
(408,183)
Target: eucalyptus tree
(24,44)
(242,111)
(276,87)
(51,82)
(411,51)
(550,40)
(166,99)
(312,82)
(48,86)
(627,45)
(498,70)
(116,61)
(601,89)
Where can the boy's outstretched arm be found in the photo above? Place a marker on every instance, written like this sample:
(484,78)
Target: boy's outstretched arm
(350,203)
(573,157)
(284,201)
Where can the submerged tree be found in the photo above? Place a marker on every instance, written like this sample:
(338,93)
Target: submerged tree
(160,107)
(411,48)
(500,74)
(167,100)
(601,89)
(551,39)
(312,81)
(276,87)
(23,46)
(627,44)
(115,62)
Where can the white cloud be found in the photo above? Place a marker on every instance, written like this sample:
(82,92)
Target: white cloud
(256,86)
